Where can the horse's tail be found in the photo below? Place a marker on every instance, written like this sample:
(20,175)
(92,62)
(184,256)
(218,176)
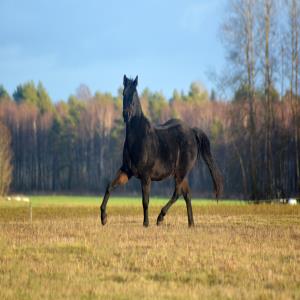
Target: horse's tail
(204,149)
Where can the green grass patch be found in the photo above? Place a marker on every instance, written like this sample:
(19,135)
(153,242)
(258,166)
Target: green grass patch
(66,200)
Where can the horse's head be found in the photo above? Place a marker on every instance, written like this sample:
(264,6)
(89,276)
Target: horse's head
(131,103)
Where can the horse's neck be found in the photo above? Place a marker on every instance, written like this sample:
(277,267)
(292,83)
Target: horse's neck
(137,127)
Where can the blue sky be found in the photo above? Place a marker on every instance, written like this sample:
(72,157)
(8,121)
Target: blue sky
(64,43)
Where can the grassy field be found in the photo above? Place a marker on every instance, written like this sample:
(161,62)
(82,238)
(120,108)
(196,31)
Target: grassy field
(235,251)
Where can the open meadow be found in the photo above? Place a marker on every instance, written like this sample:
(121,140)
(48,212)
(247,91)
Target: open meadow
(235,251)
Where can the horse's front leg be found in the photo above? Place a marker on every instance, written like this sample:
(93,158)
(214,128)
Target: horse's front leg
(120,179)
(146,184)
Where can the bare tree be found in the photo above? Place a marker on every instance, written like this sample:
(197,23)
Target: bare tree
(83,92)
(268,64)
(293,34)
(238,34)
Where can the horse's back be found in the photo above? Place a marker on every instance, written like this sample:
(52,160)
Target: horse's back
(170,124)
(174,130)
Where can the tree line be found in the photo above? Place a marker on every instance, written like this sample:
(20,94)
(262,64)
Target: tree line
(76,145)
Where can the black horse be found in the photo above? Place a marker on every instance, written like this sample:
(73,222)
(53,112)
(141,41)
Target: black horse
(156,152)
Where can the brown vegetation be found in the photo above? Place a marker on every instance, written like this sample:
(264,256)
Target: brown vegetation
(234,252)
(5,160)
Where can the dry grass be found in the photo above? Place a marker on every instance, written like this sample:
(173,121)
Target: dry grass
(234,252)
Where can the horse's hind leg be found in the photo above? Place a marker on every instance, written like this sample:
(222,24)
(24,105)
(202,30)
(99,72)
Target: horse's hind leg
(164,210)
(120,179)
(186,192)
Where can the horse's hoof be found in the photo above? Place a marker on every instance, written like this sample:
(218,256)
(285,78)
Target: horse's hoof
(146,224)
(103,219)
(160,220)
(191,225)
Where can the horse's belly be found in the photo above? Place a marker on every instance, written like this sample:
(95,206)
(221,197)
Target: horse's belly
(161,170)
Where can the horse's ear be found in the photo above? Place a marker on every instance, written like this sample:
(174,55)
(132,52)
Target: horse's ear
(125,80)
(135,82)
